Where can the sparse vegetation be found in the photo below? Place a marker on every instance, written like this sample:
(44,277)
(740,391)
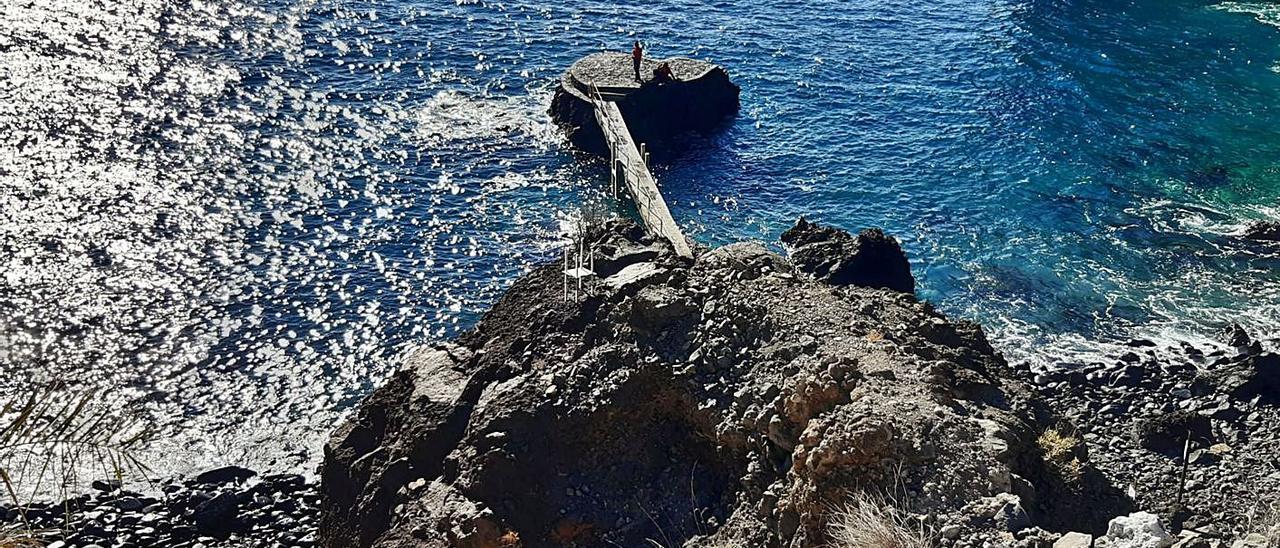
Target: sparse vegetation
(872,521)
(18,540)
(1061,448)
(1264,520)
(48,437)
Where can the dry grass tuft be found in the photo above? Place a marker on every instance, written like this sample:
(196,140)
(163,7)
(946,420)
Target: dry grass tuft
(1264,519)
(49,436)
(18,539)
(871,521)
(1061,452)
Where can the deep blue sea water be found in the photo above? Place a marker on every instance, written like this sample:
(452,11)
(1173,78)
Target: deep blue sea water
(232,216)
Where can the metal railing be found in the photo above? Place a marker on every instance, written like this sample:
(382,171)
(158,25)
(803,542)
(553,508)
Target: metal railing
(614,135)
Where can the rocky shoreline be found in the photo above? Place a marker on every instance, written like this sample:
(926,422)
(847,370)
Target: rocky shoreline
(1146,412)
(737,400)
(226,507)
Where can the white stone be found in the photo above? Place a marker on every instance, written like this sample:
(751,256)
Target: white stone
(1254,540)
(635,275)
(1137,530)
(1074,540)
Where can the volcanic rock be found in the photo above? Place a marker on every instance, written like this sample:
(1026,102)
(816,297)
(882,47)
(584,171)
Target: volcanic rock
(871,259)
(725,402)
(225,474)
(1136,530)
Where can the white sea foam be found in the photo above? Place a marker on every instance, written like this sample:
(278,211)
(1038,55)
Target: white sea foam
(1265,12)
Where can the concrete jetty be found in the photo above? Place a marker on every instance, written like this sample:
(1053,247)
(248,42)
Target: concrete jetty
(605,111)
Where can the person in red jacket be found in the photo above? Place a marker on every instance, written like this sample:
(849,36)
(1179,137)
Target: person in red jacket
(637,54)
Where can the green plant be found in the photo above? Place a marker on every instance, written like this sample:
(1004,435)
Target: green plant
(872,521)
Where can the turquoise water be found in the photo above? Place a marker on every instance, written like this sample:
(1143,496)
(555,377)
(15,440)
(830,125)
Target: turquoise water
(233,216)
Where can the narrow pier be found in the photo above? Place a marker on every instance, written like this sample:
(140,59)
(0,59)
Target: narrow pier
(629,165)
(605,110)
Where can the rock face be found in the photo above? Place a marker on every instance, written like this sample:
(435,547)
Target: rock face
(725,401)
(870,259)
(1263,230)
(656,114)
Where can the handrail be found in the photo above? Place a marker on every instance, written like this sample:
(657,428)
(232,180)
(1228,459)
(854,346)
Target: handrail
(641,185)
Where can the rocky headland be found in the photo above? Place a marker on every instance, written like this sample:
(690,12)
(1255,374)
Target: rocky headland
(742,398)
(739,399)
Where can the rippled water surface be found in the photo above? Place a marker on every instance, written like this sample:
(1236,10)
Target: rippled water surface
(232,216)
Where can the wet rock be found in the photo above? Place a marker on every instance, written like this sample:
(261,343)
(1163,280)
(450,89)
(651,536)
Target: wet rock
(225,474)
(1236,336)
(1129,375)
(1249,376)
(1263,231)
(106,485)
(871,259)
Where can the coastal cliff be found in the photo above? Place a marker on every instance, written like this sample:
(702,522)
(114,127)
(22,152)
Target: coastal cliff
(733,400)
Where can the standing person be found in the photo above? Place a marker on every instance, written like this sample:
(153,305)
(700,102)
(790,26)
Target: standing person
(637,54)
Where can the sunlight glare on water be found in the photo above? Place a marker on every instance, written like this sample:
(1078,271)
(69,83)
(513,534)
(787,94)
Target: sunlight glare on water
(231,217)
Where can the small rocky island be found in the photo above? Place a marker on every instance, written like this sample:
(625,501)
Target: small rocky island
(699,100)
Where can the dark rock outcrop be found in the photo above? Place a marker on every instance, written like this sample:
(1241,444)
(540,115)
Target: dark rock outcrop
(1263,230)
(656,114)
(225,474)
(870,259)
(723,402)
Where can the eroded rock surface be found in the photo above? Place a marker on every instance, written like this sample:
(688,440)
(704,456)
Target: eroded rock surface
(870,259)
(726,401)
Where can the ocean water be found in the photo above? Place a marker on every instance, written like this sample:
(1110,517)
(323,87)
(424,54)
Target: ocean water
(230,217)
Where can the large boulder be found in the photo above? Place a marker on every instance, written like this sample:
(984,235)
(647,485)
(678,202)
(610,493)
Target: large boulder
(723,402)
(1136,530)
(870,259)
(657,115)
(1251,372)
